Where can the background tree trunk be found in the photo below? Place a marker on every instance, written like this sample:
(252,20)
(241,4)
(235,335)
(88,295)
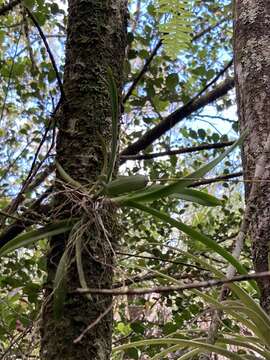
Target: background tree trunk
(252,69)
(96,40)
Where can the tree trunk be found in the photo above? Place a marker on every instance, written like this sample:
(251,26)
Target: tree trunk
(96,40)
(252,69)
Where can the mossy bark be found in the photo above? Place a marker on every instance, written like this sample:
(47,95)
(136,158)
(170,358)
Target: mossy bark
(252,69)
(96,40)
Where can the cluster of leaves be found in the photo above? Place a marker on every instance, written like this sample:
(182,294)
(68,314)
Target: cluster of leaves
(176,26)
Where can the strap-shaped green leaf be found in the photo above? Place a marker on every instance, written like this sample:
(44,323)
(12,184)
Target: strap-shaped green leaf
(126,184)
(182,344)
(197,197)
(60,286)
(174,348)
(31,237)
(176,187)
(66,177)
(244,344)
(211,244)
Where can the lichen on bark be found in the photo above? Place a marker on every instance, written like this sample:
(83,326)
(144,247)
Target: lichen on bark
(96,40)
(252,69)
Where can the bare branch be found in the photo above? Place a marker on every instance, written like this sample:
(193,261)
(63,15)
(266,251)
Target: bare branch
(28,186)
(183,150)
(150,276)
(180,114)
(160,259)
(41,177)
(43,37)
(93,324)
(208,29)
(143,71)
(216,179)
(172,289)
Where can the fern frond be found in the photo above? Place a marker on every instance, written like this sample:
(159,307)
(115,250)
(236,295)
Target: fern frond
(176,26)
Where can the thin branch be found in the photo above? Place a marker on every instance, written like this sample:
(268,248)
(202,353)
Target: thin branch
(172,289)
(12,207)
(208,29)
(160,259)
(43,37)
(93,324)
(28,41)
(33,171)
(9,75)
(6,8)
(180,114)
(215,79)
(216,117)
(216,179)
(7,215)
(147,277)
(13,162)
(142,72)
(41,177)
(183,150)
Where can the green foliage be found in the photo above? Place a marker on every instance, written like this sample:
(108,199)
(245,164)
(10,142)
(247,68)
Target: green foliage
(150,195)
(175,26)
(29,238)
(244,311)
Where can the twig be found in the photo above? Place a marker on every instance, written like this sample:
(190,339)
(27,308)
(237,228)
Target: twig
(9,75)
(12,163)
(142,72)
(101,316)
(216,117)
(40,177)
(43,37)
(27,184)
(215,79)
(216,179)
(160,259)
(7,215)
(208,29)
(171,289)
(15,341)
(183,150)
(148,277)
(32,172)
(27,38)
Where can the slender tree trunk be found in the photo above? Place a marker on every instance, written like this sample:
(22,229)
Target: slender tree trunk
(96,40)
(252,71)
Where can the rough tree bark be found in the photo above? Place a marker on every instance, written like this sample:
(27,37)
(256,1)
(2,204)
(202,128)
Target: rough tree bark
(96,40)
(252,69)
